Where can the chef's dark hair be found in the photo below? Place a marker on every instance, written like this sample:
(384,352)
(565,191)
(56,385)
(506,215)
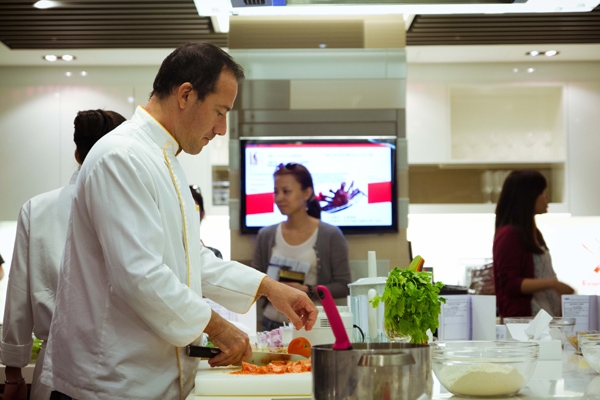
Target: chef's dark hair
(303,177)
(91,125)
(197,63)
(516,207)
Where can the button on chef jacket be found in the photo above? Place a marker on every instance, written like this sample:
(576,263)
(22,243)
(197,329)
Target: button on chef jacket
(133,274)
(39,243)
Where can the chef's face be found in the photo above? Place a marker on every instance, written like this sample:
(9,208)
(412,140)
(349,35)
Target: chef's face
(541,203)
(202,120)
(289,196)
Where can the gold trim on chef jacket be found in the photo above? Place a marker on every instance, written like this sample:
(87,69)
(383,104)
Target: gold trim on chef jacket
(187,254)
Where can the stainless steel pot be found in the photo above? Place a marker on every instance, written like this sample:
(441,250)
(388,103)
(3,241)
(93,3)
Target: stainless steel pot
(381,371)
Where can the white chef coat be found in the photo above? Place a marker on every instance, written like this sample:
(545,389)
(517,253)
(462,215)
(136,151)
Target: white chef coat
(41,233)
(128,301)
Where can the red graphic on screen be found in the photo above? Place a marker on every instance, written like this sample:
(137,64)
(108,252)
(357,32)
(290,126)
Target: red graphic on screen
(380,192)
(340,199)
(260,203)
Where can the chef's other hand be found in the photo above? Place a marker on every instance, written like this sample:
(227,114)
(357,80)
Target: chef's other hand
(295,304)
(17,388)
(234,344)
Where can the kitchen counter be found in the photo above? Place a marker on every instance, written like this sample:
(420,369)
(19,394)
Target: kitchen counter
(569,378)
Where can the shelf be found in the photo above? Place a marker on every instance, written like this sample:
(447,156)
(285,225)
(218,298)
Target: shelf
(473,186)
(492,164)
(487,208)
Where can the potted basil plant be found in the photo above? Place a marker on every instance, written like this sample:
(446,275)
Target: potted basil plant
(411,304)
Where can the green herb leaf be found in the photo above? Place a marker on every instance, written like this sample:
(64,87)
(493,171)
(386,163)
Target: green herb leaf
(412,303)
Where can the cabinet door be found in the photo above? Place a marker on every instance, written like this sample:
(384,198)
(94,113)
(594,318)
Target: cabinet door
(427,123)
(584,142)
(30,163)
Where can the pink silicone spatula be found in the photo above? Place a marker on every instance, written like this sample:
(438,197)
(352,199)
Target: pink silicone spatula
(335,320)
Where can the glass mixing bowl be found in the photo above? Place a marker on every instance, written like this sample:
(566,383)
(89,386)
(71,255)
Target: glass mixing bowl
(591,353)
(483,368)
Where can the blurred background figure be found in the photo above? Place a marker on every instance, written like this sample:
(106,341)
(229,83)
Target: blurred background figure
(197,195)
(41,236)
(525,281)
(1,267)
(302,242)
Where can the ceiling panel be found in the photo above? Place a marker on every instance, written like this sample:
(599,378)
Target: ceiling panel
(555,28)
(97,24)
(156,24)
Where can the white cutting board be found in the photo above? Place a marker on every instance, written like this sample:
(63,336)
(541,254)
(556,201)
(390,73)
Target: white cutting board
(220,382)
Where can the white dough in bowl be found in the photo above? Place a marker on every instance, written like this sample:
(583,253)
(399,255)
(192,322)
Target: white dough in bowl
(481,379)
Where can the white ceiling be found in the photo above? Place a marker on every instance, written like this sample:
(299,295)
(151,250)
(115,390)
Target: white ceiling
(415,54)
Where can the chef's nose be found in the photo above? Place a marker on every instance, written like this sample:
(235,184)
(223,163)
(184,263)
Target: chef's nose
(221,127)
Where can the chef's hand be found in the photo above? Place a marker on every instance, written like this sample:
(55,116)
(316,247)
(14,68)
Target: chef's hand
(14,391)
(295,304)
(234,344)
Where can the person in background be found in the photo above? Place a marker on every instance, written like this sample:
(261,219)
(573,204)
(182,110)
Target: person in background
(132,278)
(197,195)
(524,279)
(302,238)
(1,267)
(41,234)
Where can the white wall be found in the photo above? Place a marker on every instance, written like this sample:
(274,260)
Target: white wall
(37,108)
(449,242)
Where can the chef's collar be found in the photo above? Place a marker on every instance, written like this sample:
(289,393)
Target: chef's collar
(155,130)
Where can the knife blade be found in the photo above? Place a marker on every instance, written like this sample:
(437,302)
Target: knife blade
(258,357)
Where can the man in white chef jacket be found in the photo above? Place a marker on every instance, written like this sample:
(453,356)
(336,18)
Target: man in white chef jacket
(133,273)
(39,243)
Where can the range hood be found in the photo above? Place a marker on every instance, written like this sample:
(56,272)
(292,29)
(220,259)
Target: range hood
(374,7)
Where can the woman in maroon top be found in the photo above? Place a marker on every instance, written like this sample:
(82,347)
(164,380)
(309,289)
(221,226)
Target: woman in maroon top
(524,279)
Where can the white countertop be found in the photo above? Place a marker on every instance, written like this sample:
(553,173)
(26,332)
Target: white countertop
(569,378)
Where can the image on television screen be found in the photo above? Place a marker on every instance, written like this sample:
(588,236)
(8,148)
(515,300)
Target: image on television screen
(354,180)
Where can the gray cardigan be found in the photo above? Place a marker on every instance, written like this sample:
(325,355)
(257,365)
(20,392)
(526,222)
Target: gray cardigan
(331,248)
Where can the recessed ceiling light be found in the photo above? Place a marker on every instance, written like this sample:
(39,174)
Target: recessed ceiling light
(515,70)
(535,53)
(83,73)
(68,73)
(43,4)
(52,57)
(530,70)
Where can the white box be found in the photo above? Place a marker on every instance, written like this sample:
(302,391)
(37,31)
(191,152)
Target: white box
(584,308)
(468,317)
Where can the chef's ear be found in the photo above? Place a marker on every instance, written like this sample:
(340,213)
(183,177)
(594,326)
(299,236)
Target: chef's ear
(77,157)
(185,95)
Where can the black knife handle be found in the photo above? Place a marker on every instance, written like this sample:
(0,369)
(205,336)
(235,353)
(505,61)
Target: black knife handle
(202,352)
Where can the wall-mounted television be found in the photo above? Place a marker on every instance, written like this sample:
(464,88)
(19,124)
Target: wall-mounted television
(354,179)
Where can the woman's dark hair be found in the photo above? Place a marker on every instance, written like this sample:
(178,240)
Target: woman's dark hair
(303,177)
(197,195)
(91,125)
(197,63)
(516,207)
